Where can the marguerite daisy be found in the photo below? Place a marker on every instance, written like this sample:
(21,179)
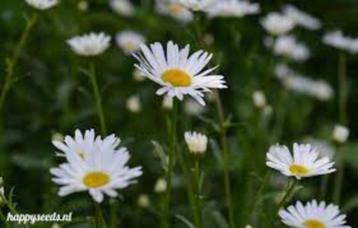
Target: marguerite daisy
(233,8)
(91,44)
(100,167)
(129,41)
(174,9)
(178,73)
(305,162)
(42,4)
(313,215)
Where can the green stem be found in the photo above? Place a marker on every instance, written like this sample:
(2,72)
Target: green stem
(100,222)
(198,207)
(225,154)
(343,119)
(288,193)
(12,62)
(170,170)
(97,95)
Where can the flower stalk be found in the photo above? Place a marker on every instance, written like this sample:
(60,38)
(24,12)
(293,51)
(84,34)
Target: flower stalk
(12,61)
(197,187)
(98,99)
(290,188)
(225,154)
(343,119)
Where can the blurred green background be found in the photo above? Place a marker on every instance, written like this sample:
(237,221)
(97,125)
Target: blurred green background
(51,94)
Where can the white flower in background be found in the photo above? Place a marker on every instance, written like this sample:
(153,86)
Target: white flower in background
(313,215)
(288,46)
(93,164)
(199,5)
(259,99)
(338,40)
(277,24)
(160,186)
(340,133)
(324,149)
(42,4)
(167,102)
(305,161)
(82,5)
(138,75)
(122,7)
(192,108)
(174,9)
(178,72)
(129,41)
(301,18)
(267,110)
(134,104)
(143,201)
(196,142)
(293,81)
(91,44)
(233,8)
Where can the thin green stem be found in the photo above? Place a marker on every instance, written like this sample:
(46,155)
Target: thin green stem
(291,187)
(225,154)
(196,184)
(171,154)
(343,119)
(12,61)
(100,221)
(97,96)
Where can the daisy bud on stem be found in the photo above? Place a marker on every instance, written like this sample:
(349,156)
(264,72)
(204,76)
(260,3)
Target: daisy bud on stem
(197,145)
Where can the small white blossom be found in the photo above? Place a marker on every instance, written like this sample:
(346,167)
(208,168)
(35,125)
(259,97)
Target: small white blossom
(259,99)
(277,24)
(91,44)
(340,133)
(196,142)
(293,81)
(233,8)
(129,41)
(338,40)
(168,102)
(122,7)
(143,201)
(288,46)
(82,5)
(174,9)
(199,5)
(160,186)
(301,18)
(42,4)
(138,75)
(134,104)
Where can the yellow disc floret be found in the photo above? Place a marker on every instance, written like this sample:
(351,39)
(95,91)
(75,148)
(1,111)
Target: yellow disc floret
(177,78)
(96,179)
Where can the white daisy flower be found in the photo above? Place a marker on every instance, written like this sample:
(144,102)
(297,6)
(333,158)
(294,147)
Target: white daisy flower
(338,40)
(277,24)
(199,5)
(42,4)
(178,73)
(95,165)
(134,104)
(288,46)
(301,18)
(196,142)
(233,8)
(259,99)
(174,9)
(318,89)
(313,215)
(122,7)
(340,133)
(305,161)
(129,41)
(91,44)
(324,148)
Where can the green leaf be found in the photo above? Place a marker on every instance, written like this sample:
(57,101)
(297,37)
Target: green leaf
(185,221)
(159,152)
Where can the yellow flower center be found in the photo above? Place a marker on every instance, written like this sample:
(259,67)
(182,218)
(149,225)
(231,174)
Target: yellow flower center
(298,169)
(313,223)
(96,179)
(175,8)
(130,46)
(176,78)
